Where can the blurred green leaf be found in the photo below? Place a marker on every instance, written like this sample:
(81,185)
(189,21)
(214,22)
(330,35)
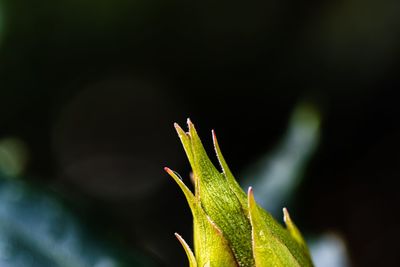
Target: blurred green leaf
(37,231)
(276,176)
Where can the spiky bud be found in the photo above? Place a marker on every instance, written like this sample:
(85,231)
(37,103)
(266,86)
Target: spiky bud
(230,228)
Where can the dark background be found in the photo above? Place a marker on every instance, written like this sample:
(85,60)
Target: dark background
(92,88)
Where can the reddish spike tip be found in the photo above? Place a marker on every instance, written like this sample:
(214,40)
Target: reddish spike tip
(214,136)
(250,198)
(286,215)
(250,191)
(168,170)
(177,127)
(189,122)
(179,130)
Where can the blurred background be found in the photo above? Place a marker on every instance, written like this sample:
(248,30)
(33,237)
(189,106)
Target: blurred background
(302,95)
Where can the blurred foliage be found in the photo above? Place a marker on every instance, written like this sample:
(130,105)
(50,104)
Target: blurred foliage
(36,230)
(13,156)
(276,175)
(329,250)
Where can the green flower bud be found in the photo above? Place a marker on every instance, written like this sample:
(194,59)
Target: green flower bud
(230,228)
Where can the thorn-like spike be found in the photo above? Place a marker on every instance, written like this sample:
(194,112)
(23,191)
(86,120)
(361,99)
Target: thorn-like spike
(169,171)
(251,200)
(214,136)
(174,175)
(179,129)
(293,230)
(192,129)
(286,216)
(189,252)
(188,194)
(179,237)
(250,190)
(220,158)
(186,142)
(227,172)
